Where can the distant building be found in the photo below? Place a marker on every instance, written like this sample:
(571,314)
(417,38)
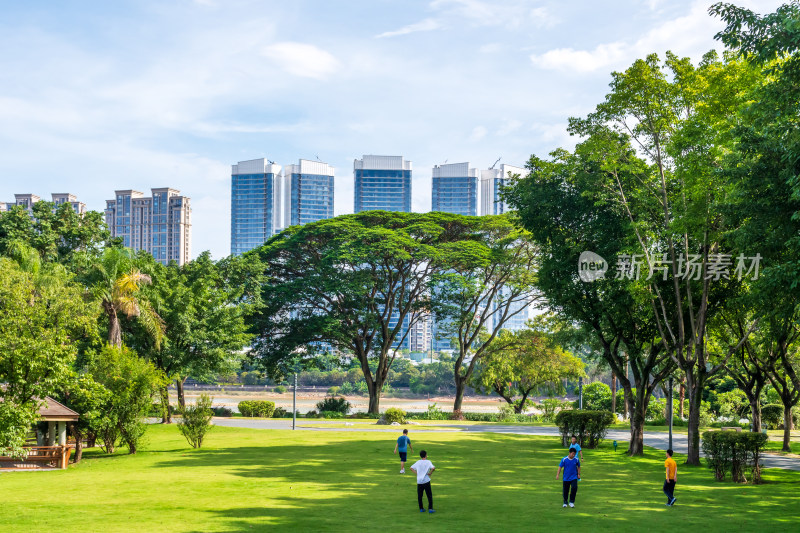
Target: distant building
(382,182)
(420,335)
(160,224)
(454,189)
(492,182)
(255,203)
(28,200)
(308,192)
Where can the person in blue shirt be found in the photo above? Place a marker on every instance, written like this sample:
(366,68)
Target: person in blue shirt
(403,446)
(574,444)
(571,466)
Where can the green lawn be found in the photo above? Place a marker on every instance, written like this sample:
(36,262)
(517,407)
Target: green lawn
(251,480)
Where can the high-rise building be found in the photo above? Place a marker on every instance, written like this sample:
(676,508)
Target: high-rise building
(60,199)
(382,182)
(420,335)
(160,224)
(28,200)
(308,192)
(492,181)
(255,203)
(455,189)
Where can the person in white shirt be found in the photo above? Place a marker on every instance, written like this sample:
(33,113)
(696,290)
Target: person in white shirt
(424,468)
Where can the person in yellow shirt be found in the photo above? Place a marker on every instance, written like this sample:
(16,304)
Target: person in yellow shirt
(672,478)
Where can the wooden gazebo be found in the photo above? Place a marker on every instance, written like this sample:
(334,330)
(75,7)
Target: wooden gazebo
(51,450)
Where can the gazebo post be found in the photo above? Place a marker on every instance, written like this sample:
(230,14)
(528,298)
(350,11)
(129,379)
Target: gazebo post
(62,433)
(51,433)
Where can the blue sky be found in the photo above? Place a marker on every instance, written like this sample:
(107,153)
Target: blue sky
(98,96)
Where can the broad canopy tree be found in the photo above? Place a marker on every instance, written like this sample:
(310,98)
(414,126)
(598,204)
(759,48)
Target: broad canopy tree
(355,284)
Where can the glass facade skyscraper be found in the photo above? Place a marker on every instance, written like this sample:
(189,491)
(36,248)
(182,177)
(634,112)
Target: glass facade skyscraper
(455,189)
(492,182)
(308,192)
(382,182)
(255,203)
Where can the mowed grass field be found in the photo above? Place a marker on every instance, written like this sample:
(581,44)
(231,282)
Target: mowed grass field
(279,480)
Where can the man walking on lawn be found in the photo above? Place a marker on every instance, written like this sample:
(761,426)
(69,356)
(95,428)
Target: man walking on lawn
(571,466)
(574,444)
(672,478)
(424,468)
(403,446)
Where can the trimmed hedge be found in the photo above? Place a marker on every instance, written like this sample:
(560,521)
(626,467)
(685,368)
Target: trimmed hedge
(259,408)
(734,452)
(588,426)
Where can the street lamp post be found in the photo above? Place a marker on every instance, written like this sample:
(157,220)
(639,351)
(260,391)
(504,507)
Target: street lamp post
(669,410)
(294,402)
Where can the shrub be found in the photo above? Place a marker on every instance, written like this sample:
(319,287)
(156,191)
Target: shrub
(588,426)
(550,407)
(734,452)
(280,412)
(334,391)
(394,414)
(507,413)
(596,397)
(331,414)
(196,420)
(280,389)
(339,405)
(259,408)
(772,415)
(222,411)
(435,413)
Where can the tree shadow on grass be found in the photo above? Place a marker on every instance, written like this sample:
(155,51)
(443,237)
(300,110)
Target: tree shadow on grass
(483,482)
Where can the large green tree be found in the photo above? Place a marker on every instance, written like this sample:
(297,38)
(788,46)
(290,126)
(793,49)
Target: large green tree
(356,284)
(520,363)
(44,318)
(489,280)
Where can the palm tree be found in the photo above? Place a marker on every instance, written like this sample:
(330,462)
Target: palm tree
(116,284)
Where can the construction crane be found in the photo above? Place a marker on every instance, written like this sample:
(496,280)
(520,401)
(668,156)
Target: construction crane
(493,164)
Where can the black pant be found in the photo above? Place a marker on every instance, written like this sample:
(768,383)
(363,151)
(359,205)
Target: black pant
(669,489)
(426,487)
(570,489)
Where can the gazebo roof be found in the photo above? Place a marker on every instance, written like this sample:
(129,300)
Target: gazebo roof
(52,411)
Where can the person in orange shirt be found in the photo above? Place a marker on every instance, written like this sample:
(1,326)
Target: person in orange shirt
(672,478)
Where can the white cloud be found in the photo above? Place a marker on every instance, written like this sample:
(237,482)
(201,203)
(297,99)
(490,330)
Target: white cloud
(478,133)
(509,127)
(302,59)
(601,57)
(423,25)
(508,13)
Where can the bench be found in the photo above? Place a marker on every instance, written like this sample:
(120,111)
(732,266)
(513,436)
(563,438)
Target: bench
(732,428)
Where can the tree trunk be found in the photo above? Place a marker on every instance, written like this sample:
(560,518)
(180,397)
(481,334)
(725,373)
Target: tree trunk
(638,414)
(755,413)
(787,428)
(374,388)
(166,412)
(682,396)
(91,439)
(627,392)
(181,398)
(614,393)
(461,385)
(114,331)
(78,443)
(695,386)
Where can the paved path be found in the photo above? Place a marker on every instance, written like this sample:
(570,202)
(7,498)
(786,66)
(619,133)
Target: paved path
(654,439)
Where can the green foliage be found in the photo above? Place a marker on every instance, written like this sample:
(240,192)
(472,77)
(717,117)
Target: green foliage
(588,426)
(772,415)
(338,405)
(394,414)
(334,391)
(736,453)
(331,414)
(518,363)
(195,420)
(132,383)
(256,408)
(280,389)
(596,397)
(551,407)
(222,411)
(44,318)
